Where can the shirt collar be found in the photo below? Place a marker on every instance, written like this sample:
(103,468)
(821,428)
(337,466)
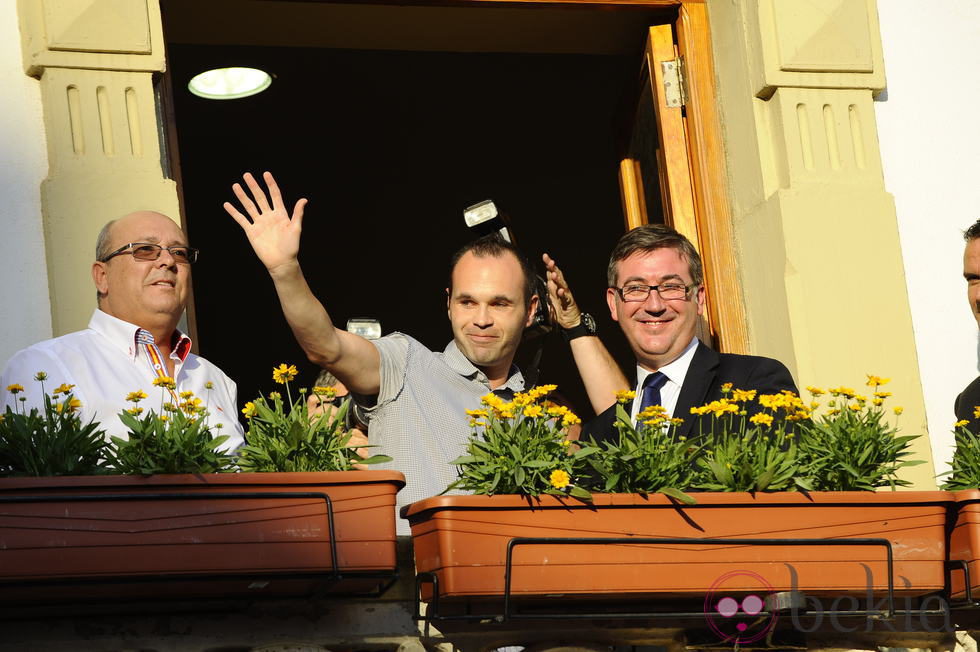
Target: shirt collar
(122,335)
(462,365)
(676,371)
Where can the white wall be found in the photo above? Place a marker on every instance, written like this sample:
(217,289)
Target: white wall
(930,146)
(24,302)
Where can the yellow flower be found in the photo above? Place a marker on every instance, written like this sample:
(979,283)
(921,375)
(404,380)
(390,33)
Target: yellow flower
(63,388)
(40,376)
(249,410)
(186,395)
(960,424)
(209,385)
(833,412)
(284,373)
(570,420)
(533,411)
(165,381)
(478,413)
(899,410)
(326,391)
(882,394)
(624,395)
(976,411)
(875,381)
(135,411)
(556,410)
(559,479)
(191,406)
(855,406)
(566,443)
(521,399)
(652,411)
(2,418)
(877,401)
(163,418)
(743,395)
(71,405)
(541,390)
(492,400)
(169,407)
(678,421)
(726,387)
(762,419)
(15,388)
(136,397)
(274,396)
(843,391)
(815,391)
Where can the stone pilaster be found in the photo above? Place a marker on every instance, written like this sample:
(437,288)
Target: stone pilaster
(96,61)
(818,248)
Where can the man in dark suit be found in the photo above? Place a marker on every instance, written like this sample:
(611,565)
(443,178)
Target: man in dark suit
(656,294)
(968,401)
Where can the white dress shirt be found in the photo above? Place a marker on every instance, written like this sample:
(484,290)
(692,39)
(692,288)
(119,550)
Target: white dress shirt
(104,363)
(676,372)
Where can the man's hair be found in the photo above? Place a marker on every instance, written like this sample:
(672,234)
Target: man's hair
(973,232)
(102,242)
(102,245)
(649,237)
(494,246)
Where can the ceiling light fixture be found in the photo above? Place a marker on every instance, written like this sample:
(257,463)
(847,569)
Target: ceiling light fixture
(229,83)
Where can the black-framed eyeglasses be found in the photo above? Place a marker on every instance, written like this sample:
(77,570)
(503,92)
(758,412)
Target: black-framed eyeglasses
(150,251)
(636,292)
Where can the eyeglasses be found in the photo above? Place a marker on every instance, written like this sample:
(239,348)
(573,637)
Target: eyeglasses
(149,251)
(638,292)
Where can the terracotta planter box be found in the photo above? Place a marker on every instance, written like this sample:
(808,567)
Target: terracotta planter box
(964,542)
(253,534)
(463,540)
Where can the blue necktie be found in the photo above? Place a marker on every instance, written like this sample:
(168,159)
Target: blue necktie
(651,391)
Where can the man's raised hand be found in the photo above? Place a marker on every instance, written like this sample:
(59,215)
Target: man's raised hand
(272,232)
(566,311)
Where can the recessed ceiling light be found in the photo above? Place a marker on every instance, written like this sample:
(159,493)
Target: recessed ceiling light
(229,83)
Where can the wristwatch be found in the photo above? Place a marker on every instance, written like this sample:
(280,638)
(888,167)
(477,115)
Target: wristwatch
(586,327)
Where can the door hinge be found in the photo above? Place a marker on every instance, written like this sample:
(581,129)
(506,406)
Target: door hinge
(675,91)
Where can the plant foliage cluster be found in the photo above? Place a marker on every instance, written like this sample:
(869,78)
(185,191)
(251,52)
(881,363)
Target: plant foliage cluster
(176,437)
(743,442)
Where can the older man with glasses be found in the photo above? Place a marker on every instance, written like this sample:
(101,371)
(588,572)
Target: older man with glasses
(142,277)
(656,294)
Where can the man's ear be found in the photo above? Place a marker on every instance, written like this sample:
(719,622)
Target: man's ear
(611,301)
(700,299)
(531,309)
(101,277)
(448,299)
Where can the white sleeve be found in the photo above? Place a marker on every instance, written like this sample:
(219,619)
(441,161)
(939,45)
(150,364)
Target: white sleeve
(394,350)
(22,369)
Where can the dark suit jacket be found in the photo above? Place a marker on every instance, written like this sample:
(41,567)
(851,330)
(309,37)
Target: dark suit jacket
(709,370)
(966,402)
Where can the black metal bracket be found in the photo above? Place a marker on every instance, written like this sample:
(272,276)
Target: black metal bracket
(968,601)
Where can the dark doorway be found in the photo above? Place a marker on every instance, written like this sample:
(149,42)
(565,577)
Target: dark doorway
(390,146)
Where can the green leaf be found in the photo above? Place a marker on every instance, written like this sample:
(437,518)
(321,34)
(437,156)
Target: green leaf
(678,495)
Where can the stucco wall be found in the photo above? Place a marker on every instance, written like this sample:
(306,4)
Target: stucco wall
(24,300)
(930,146)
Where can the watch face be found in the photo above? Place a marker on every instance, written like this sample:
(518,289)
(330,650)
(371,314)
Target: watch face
(589,323)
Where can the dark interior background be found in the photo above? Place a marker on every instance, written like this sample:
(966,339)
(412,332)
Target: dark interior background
(390,147)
